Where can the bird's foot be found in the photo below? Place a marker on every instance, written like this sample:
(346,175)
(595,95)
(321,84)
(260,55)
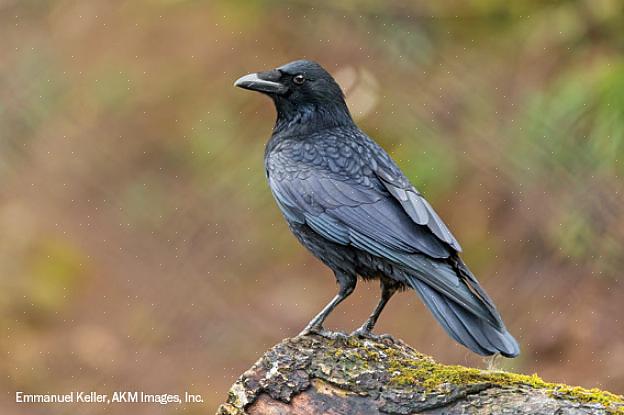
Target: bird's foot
(362,332)
(309,330)
(320,331)
(365,333)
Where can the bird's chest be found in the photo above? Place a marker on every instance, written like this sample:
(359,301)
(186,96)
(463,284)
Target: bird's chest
(300,158)
(293,159)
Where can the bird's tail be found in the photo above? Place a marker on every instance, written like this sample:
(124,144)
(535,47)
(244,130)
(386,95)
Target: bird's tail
(477,334)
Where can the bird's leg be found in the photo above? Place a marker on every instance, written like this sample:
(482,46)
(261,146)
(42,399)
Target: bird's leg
(387,291)
(347,285)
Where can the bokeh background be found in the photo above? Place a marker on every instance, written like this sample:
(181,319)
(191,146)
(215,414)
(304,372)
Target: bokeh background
(140,248)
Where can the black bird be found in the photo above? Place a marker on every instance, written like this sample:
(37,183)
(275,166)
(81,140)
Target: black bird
(348,202)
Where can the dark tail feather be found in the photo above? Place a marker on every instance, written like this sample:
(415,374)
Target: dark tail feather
(476,334)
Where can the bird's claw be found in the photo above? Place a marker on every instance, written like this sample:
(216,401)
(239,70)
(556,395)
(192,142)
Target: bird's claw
(309,330)
(363,333)
(320,331)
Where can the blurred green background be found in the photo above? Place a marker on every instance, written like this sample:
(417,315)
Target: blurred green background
(140,248)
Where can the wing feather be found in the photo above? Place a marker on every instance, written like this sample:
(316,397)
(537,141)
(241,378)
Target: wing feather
(415,205)
(374,221)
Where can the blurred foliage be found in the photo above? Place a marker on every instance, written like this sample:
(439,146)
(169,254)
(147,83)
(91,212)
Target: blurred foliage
(140,246)
(55,270)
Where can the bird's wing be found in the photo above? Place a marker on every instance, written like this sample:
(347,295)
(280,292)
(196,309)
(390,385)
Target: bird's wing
(364,215)
(344,210)
(414,204)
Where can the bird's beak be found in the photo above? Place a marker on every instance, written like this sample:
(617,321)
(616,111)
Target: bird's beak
(266,82)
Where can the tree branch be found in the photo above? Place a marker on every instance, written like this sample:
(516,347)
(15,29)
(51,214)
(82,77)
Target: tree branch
(347,375)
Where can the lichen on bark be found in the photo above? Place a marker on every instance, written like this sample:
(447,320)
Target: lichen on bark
(349,375)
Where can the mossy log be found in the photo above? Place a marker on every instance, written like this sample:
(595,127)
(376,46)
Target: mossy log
(349,375)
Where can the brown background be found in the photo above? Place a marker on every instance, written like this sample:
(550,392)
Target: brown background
(140,248)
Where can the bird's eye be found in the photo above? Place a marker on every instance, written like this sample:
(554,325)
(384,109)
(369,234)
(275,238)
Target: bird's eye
(299,79)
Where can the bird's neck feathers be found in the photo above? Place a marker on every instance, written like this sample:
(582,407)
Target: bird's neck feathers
(305,118)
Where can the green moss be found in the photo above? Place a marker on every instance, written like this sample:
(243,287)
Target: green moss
(431,375)
(408,368)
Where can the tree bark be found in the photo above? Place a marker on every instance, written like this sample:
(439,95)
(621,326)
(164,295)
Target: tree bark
(348,375)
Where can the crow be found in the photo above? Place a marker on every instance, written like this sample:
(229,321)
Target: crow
(351,206)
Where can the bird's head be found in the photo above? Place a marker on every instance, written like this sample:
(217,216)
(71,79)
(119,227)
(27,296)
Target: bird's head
(303,92)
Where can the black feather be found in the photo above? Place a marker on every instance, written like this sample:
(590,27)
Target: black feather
(349,203)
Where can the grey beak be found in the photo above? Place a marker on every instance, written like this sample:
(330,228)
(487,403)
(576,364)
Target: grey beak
(254,82)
